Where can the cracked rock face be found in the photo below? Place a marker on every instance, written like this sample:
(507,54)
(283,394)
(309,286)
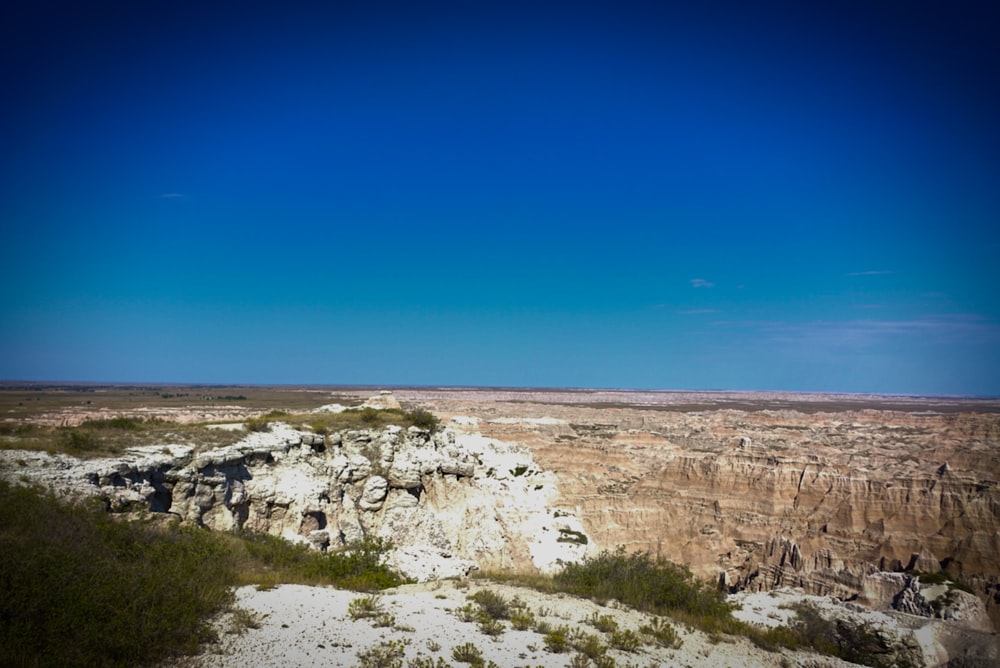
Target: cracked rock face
(449,502)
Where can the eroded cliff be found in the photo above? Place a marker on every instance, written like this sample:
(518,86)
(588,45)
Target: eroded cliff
(759,500)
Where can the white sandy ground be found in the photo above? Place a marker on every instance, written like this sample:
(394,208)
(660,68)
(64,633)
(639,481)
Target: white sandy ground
(310,626)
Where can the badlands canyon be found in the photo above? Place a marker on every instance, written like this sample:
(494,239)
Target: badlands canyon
(842,496)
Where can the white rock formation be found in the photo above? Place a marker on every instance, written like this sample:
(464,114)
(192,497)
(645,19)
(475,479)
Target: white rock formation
(384,400)
(449,502)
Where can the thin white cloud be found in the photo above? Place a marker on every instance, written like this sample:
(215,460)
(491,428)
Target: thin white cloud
(701,283)
(873,272)
(953,329)
(172,195)
(697,311)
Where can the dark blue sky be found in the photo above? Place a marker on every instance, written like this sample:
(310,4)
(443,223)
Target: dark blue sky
(789,196)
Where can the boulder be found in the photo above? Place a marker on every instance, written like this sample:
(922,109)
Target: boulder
(384,400)
(373,494)
(404,473)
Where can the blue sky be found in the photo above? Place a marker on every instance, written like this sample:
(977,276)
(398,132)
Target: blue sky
(786,196)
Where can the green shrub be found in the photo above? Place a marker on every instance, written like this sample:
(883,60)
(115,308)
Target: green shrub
(80,589)
(522,619)
(626,641)
(662,632)
(359,567)
(77,440)
(941,577)
(427,662)
(651,585)
(243,619)
(423,419)
(258,424)
(384,620)
(605,661)
(492,604)
(603,623)
(119,423)
(386,654)
(467,653)
(467,612)
(572,536)
(557,640)
(366,607)
(589,644)
(490,626)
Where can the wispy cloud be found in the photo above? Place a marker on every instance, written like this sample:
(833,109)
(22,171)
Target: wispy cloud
(872,272)
(701,283)
(863,333)
(696,311)
(172,195)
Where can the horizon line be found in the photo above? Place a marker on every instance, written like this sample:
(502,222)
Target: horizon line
(521,388)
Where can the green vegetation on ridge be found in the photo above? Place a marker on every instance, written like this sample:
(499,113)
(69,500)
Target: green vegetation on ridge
(111,436)
(364,418)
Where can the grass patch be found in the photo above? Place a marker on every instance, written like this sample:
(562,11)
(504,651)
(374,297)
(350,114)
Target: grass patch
(79,588)
(603,623)
(557,640)
(493,605)
(385,654)
(467,653)
(366,607)
(660,587)
(101,438)
(651,585)
(626,640)
(243,619)
(366,418)
(662,633)
(268,559)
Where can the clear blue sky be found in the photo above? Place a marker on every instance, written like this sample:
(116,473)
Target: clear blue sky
(742,195)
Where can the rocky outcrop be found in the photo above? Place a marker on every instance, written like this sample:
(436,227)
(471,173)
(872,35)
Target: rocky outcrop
(384,400)
(450,501)
(819,502)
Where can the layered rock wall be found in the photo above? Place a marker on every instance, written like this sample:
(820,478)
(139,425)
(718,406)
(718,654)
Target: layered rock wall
(756,517)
